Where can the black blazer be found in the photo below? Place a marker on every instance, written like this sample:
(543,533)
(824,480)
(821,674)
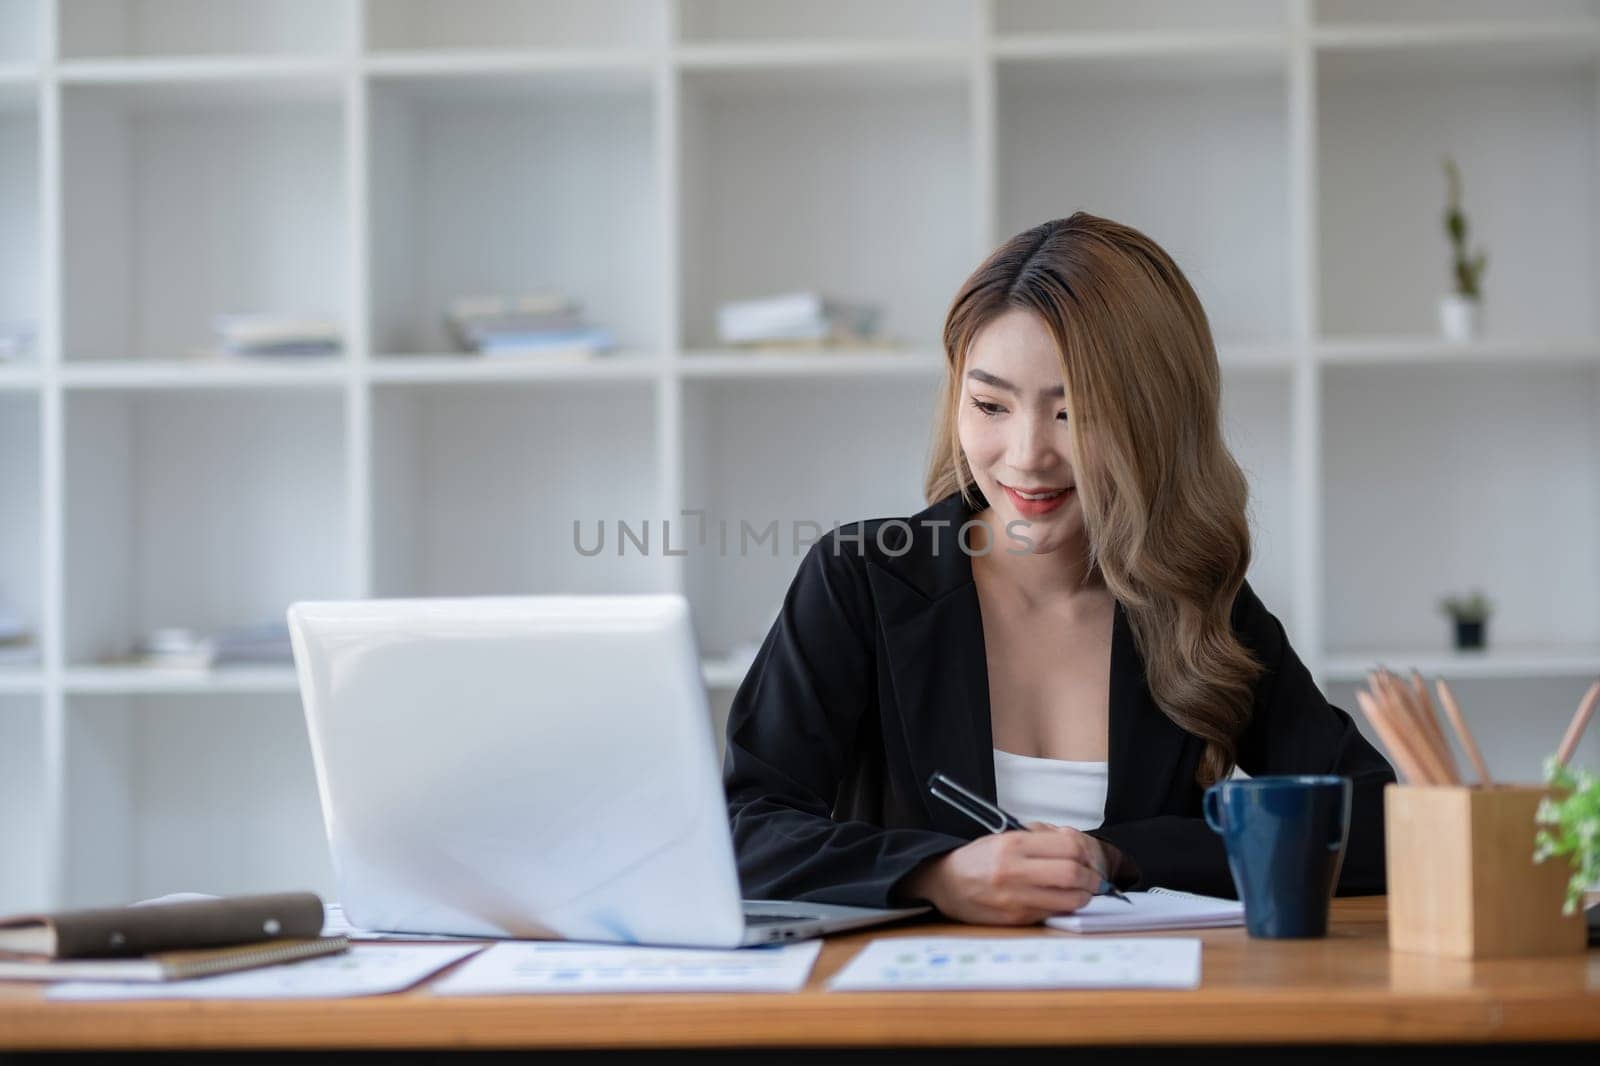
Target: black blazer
(874,676)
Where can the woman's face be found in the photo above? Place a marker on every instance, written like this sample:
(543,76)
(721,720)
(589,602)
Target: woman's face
(1014,431)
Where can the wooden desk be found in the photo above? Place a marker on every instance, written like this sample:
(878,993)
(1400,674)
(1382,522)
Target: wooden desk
(1345,989)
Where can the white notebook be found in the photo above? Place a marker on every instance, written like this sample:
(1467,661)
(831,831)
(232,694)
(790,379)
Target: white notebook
(1159,908)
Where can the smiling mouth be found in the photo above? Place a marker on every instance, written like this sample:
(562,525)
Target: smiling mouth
(1038,494)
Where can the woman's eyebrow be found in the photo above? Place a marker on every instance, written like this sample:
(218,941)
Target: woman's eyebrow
(1001,383)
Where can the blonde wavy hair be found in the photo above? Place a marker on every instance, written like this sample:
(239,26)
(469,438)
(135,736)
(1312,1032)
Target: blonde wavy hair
(1164,502)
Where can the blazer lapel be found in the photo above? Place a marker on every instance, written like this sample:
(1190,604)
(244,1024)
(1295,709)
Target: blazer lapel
(933,632)
(1147,750)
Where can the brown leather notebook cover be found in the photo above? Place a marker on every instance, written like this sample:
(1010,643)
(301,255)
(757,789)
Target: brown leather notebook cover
(117,932)
(173,965)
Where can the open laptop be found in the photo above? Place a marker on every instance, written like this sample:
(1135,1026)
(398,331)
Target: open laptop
(536,767)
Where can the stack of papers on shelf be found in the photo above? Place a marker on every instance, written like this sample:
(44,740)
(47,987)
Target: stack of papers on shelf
(948,962)
(17,340)
(16,642)
(276,334)
(801,317)
(173,648)
(1159,908)
(266,644)
(536,324)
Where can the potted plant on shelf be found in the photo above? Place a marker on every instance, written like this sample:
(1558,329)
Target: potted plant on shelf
(1471,616)
(1461,310)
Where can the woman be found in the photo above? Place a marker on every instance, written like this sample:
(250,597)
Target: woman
(1066,628)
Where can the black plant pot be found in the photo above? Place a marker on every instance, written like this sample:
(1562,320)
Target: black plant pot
(1469,635)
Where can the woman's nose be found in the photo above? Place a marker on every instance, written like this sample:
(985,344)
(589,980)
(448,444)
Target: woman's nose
(1033,444)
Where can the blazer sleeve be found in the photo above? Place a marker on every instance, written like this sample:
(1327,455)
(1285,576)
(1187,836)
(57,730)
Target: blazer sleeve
(1293,730)
(790,739)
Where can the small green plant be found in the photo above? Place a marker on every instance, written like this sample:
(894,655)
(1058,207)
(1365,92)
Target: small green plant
(1569,824)
(1474,607)
(1468,269)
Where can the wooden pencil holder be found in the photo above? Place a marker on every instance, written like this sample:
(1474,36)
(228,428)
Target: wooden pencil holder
(1462,880)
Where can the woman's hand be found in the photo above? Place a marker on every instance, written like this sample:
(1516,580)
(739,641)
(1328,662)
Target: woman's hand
(1016,878)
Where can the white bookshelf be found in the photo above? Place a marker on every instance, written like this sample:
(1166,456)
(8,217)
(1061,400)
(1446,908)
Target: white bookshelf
(372,159)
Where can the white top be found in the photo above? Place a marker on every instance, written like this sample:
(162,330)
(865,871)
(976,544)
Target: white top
(1058,791)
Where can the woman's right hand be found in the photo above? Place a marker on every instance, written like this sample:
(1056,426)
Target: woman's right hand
(1016,878)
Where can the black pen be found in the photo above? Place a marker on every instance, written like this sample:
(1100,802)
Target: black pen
(995,819)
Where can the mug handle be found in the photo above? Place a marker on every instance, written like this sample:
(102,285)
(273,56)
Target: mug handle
(1341,833)
(1211,807)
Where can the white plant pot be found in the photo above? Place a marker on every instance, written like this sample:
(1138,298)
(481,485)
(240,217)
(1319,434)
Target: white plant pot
(1460,317)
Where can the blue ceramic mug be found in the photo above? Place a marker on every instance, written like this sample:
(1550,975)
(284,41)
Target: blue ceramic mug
(1285,838)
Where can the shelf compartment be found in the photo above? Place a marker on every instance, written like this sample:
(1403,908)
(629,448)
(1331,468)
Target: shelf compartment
(1506,17)
(1198,163)
(856,182)
(21,679)
(747,21)
(460,369)
(182,203)
(1385,120)
(477,489)
(1446,49)
(19,379)
(1488,476)
(205,510)
(208,374)
(21,31)
(1157,54)
(1517,721)
(859,63)
(602,63)
(21,591)
(1044,17)
(877,429)
(125,680)
(505,185)
(20,227)
(725,674)
(827,363)
(25,875)
(1257,426)
(203,27)
(190,793)
(1433,351)
(472,25)
(1534,662)
(246,78)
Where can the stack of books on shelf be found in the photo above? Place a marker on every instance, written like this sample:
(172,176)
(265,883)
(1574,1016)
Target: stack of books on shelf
(16,642)
(277,335)
(541,323)
(177,648)
(801,319)
(17,340)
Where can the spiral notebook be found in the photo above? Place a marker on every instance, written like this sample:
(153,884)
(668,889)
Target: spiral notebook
(1159,908)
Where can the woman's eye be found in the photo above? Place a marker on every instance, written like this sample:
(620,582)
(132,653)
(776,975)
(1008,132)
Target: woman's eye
(989,409)
(1062,416)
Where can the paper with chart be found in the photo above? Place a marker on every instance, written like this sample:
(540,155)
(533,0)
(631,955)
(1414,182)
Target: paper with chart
(364,970)
(891,964)
(553,966)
